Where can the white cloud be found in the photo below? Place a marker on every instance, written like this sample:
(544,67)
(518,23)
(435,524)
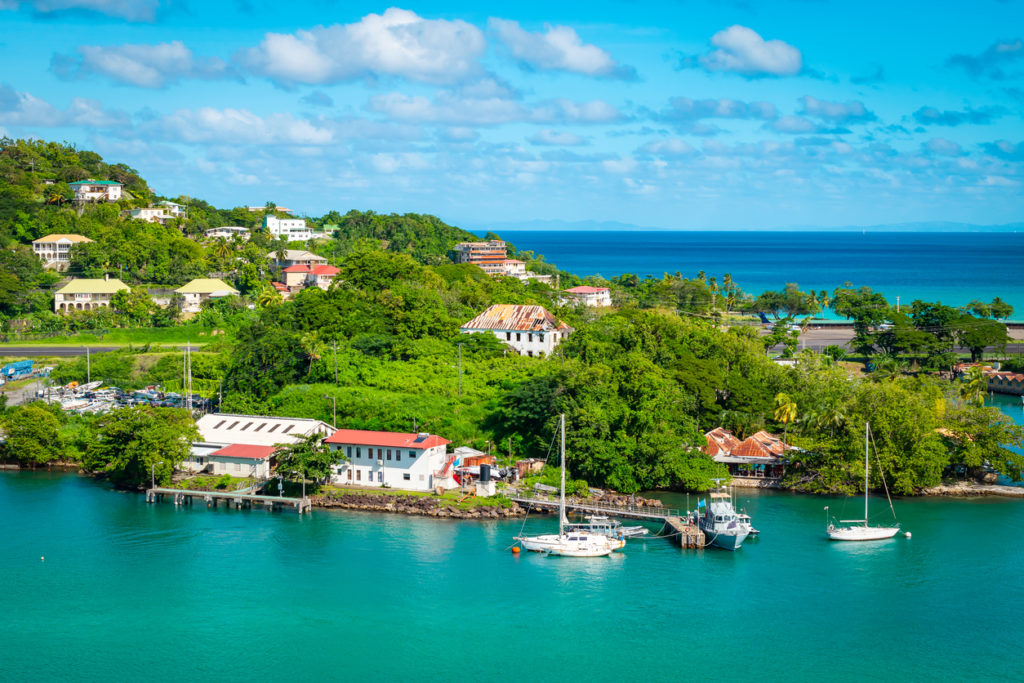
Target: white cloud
(451,109)
(567,111)
(397,43)
(557,138)
(145,66)
(942,147)
(620,166)
(559,48)
(742,50)
(236,126)
(671,147)
(132,10)
(794,124)
(24,109)
(838,112)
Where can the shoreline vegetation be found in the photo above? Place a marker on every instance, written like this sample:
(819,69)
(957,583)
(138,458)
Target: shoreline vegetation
(381,349)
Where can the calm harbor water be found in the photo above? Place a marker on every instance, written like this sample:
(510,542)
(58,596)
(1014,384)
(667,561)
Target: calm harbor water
(953,268)
(130,590)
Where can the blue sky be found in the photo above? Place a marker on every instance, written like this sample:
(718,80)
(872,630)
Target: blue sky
(682,114)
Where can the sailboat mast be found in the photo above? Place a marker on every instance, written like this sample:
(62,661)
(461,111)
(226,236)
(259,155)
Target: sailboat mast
(866,473)
(561,500)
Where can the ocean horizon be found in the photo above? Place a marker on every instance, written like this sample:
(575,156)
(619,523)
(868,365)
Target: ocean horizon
(953,268)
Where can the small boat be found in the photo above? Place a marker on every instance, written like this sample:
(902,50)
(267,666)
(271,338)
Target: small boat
(570,543)
(859,529)
(612,528)
(721,524)
(745,519)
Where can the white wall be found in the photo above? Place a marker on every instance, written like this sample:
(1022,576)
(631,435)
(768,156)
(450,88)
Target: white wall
(420,469)
(527,343)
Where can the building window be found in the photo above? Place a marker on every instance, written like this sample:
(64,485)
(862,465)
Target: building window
(421,477)
(349,451)
(406,476)
(380,453)
(412,454)
(389,454)
(238,467)
(541,337)
(350,475)
(519,337)
(529,337)
(508,336)
(380,476)
(358,452)
(359,475)
(398,456)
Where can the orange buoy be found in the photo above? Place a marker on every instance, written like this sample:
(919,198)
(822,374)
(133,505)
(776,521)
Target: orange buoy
(515,550)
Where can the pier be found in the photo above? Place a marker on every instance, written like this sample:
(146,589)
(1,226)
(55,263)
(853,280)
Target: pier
(235,499)
(674,524)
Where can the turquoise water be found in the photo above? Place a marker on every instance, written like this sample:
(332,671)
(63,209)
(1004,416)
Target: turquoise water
(131,590)
(953,268)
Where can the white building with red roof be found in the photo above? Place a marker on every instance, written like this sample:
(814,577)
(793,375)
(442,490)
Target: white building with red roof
(418,462)
(598,297)
(244,445)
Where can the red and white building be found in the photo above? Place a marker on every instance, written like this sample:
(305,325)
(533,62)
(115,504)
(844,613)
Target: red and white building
(417,462)
(301,276)
(597,297)
(244,445)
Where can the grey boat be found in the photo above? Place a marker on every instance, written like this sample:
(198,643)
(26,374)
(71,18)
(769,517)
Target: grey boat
(722,526)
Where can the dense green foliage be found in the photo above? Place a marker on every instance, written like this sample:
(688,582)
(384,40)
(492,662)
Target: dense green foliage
(133,445)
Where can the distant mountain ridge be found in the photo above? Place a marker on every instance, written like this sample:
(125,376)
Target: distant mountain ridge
(920,226)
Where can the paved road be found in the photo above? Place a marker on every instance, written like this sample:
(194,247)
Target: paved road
(820,338)
(52,350)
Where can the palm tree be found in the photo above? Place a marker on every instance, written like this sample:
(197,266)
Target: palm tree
(785,412)
(975,386)
(221,251)
(312,346)
(268,296)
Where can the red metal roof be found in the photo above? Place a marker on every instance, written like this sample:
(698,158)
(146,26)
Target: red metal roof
(512,317)
(362,437)
(297,268)
(246,451)
(325,270)
(280,286)
(586,290)
(720,440)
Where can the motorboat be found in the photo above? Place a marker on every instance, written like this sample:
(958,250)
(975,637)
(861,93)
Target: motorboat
(613,528)
(720,522)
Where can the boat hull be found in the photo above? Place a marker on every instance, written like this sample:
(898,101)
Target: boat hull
(862,533)
(731,540)
(571,546)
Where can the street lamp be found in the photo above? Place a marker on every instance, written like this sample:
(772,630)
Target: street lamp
(152,472)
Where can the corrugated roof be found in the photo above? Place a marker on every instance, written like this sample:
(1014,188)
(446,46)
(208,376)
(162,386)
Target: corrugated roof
(720,440)
(297,255)
(90,286)
(246,451)
(325,270)
(262,430)
(58,236)
(519,318)
(362,437)
(205,285)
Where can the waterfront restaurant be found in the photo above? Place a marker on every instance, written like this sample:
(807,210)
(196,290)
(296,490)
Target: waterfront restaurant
(417,462)
(761,456)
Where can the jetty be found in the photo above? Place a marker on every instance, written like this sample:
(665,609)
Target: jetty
(675,524)
(235,499)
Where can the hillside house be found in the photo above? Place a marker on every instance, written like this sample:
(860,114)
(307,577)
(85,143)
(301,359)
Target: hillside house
(176,210)
(203,289)
(82,294)
(97,190)
(596,297)
(529,330)
(417,462)
(295,257)
(151,214)
(289,229)
(227,232)
(54,250)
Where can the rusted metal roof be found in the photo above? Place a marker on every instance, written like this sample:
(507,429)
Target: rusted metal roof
(516,318)
(720,440)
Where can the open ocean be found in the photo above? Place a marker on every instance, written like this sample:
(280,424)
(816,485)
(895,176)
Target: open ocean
(953,268)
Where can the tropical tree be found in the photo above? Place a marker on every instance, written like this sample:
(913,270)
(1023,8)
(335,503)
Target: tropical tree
(33,435)
(308,458)
(785,411)
(268,296)
(975,386)
(131,445)
(312,347)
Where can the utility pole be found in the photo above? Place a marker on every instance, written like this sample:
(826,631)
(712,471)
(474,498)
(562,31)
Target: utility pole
(334,409)
(460,370)
(335,364)
(88,366)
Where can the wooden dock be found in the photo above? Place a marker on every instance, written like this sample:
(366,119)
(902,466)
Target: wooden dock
(682,533)
(230,498)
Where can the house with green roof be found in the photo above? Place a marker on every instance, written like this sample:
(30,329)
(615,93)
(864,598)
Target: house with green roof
(84,294)
(201,289)
(97,190)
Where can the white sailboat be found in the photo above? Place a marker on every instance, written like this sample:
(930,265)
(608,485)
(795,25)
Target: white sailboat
(574,543)
(859,530)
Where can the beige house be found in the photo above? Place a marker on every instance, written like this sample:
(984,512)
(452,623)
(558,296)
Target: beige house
(97,190)
(83,294)
(55,250)
(296,257)
(301,276)
(199,290)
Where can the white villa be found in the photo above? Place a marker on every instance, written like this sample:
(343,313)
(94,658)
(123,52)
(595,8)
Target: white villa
(201,289)
(597,297)
(244,445)
(176,210)
(97,190)
(86,295)
(151,214)
(227,232)
(417,462)
(529,330)
(55,250)
(290,229)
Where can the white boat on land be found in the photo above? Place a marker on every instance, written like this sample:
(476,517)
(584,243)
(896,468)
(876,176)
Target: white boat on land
(859,530)
(570,543)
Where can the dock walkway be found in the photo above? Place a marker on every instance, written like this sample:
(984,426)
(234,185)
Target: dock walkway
(236,498)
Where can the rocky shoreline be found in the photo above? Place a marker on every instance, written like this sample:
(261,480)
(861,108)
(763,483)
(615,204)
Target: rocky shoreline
(423,506)
(969,490)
